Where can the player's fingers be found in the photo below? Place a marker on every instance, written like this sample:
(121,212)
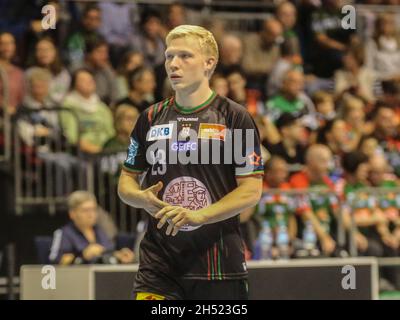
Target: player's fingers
(162,212)
(162,221)
(177,218)
(175,230)
(169,229)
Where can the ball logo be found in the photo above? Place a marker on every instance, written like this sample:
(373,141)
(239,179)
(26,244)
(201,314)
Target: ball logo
(160,132)
(187,192)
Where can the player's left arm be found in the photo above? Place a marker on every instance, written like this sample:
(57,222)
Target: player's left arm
(245,195)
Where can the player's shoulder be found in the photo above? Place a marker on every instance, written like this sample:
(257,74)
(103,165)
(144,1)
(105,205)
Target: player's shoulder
(231,106)
(155,109)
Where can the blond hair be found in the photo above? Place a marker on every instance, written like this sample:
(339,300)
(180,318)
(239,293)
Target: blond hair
(205,38)
(77,198)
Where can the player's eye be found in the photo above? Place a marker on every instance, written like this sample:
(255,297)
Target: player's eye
(168,56)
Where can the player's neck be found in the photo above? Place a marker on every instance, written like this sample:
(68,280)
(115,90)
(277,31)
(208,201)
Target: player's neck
(189,100)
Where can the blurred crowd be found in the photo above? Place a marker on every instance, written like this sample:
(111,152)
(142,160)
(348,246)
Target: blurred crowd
(326,101)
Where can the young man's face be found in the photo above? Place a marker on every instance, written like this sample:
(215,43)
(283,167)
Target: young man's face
(186,65)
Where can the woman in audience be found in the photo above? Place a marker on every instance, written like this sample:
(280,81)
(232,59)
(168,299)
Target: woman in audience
(93,121)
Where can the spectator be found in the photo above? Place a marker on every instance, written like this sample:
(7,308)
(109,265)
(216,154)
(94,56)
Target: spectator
(97,61)
(230,54)
(380,172)
(82,240)
(125,120)
(354,78)
(141,83)
(119,26)
(331,39)
(261,52)
(319,208)
(176,16)
(219,84)
(276,208)
(292,99)
(47,56)
(334,135)
(130,62)
(94,118)
(387,133)
(150,42)
(11,73)
(286,13)
(324,106)
(289,59)
(88,31)
(33,127)
(290,147)
(368,220)
(383,51)
(357,127)
(369,146)
(238,92)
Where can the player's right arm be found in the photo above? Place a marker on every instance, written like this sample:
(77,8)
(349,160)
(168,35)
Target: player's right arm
(129,191)
(135,164)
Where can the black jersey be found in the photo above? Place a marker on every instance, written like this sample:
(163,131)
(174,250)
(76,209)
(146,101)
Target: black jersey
(189,151)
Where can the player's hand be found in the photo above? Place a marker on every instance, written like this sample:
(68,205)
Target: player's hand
(177,217)
(150,201)
(92,251)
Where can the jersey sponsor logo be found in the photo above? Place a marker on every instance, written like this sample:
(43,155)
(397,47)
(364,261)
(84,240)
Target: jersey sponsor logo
(187,119)
(160,132)
(184,146)
(132,152)
(189,193)
(212,131)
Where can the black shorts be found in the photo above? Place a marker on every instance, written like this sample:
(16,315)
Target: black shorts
(154,287)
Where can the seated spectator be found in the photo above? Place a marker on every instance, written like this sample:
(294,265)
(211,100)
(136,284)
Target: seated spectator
(119,24)
(11,73)
(125,120)
(290,59)
(261,52)
(276,208)
(47,56)
(290,148)
(83,241)
(292,99)
(383,50)
(354,78)
(387,133)
(230,54)
(93,118)
(357,126)
(176,16)
(131,61)
(142,84)
(219,84)
(33,127)
(149,41)
(335,136)
(286,13)
(87,31)
(318,207)
(381,176)
(371,221)
(330,39)
(97,61)
(368,219)
(324,107)
(369,146)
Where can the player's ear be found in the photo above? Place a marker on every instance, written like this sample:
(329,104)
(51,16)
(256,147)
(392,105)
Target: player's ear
(210,63)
